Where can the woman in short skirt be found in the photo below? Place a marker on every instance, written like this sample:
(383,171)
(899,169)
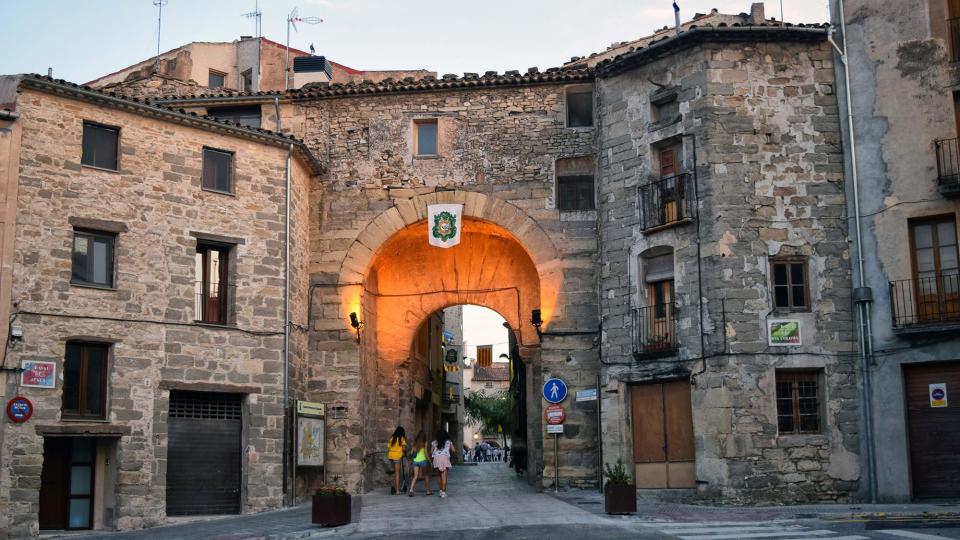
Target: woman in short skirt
(442,448)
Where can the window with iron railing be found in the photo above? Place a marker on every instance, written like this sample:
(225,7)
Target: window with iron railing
(933,295)
(948,163)
(655,330)
(212,289)
(666,201)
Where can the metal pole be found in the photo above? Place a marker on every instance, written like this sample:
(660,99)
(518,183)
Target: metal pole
(599,438)
(556,463)
(286,60)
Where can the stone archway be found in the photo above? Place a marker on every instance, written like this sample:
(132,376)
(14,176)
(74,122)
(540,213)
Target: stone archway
(505,262)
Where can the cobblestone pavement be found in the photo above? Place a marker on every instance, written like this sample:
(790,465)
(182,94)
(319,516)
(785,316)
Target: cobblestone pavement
(487,501)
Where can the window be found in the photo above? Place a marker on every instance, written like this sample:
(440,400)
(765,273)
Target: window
(580,106)
(664,108)
(100,146)
(93,258)
(212,285)
(85,380)
(217,170)
(217,78)
(664,200)
(246,81)
(426,137)
(484,355)
(575,193)
(789,276)
(248,116)
(798,402)
(655,329)
(936,269)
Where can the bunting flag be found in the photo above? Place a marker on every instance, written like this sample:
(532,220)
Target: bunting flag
(444,224)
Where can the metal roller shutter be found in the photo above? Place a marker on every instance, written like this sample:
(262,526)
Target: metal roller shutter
(204,454)
(934,431)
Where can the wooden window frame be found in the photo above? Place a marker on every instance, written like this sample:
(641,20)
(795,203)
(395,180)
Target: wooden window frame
(579,89)
(416,137)
(794,377)
(83,399)
(218,73)
(98,125)
(578,180)
(204,249)
(789,261)
(933,221)
(203,180)
(90,235)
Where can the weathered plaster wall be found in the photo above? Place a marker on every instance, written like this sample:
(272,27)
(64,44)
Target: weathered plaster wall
(770,182)
(148,315)
(901,99)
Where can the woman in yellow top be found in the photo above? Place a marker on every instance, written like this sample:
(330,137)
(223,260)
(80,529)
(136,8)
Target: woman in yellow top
(396,447)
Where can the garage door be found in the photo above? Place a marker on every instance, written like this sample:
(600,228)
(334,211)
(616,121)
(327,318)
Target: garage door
(663,451)
(203,457)
(934,430)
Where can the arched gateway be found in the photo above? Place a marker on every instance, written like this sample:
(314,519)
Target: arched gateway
(393,279)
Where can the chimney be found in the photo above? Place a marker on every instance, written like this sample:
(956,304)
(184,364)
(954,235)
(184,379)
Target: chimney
(756,13)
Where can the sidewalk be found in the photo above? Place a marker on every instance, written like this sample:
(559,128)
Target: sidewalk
(654,511)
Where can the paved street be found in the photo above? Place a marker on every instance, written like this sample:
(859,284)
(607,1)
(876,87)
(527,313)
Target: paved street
(487,501)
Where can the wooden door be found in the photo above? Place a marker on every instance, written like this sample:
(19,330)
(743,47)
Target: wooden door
(660,300)
(671,185)
(936,269)
(934,431)
(663,451)
(54,483)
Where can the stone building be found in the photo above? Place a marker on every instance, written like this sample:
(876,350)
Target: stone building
(666,221)
(150,261)
(904,101)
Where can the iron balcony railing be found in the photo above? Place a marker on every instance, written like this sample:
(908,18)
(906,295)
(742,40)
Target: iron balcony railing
(665,201)
(927,301)
(655,330)
(211,301)
(451,392)
(948,163)
(953,28)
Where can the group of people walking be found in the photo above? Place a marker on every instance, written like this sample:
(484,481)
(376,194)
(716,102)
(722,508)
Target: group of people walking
(484,451)
(437,457)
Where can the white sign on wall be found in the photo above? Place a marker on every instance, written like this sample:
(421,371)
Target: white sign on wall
(938,395)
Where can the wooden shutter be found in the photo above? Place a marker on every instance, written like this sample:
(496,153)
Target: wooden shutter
(485,355)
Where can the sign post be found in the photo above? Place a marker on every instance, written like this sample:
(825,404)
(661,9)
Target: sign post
(555,391)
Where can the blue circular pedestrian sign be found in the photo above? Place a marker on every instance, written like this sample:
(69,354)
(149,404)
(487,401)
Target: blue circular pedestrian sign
(554,390)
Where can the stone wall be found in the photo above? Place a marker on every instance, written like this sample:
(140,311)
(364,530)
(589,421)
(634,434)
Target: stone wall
(499,144)
(156,200)
(769,175)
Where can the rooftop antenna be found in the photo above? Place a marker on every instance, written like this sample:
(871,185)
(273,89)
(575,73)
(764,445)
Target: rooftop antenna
(256,15)
(676,16)
(781,13)
(292,20)
(159,4)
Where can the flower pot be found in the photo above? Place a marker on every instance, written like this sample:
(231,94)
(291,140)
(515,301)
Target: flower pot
(620,498)
(331,509)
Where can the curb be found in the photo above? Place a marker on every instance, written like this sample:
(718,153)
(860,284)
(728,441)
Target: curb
(332,532)
(891,516)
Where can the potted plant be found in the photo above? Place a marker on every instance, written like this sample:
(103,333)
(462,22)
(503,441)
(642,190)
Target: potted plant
(619,494)
(331,505)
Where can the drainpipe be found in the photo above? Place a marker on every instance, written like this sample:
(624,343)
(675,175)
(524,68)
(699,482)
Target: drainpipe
(286,322)
(862,294)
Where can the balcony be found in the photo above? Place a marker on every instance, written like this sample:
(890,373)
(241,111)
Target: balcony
(655,331)
(666,202)
(926,305)
(211,300)
(451,392)
(953,36)
(948,167)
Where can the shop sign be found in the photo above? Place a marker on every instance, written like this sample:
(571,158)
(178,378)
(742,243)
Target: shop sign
(783,332)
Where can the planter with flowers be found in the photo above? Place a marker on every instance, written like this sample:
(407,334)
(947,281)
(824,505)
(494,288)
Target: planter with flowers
(331,505)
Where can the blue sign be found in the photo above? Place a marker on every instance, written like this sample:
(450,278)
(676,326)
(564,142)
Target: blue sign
(554,390)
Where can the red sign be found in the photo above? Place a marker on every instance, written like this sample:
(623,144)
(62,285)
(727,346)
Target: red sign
(554,414)
(19,409)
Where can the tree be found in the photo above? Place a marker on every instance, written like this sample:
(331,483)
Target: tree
(492,412)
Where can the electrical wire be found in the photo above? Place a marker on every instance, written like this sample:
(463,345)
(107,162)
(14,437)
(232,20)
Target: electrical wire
(149,321)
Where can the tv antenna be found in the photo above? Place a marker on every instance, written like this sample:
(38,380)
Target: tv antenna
(159,4)
(292,20)
(256,15)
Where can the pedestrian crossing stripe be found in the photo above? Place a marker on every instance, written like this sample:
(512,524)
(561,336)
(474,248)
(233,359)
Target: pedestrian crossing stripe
(734,530)
(909,534)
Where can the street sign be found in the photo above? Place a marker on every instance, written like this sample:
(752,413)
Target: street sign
(309,408)
(555,428)
(554,390)
(554,414)
(19,409)
(38,374)
(938,395)
(587,395)
(783,332)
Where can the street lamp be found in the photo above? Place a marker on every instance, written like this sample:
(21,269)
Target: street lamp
(292,20)
(356,324)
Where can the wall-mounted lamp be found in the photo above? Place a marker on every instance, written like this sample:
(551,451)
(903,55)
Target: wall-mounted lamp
(536,320)
(356,324)
(504,357)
